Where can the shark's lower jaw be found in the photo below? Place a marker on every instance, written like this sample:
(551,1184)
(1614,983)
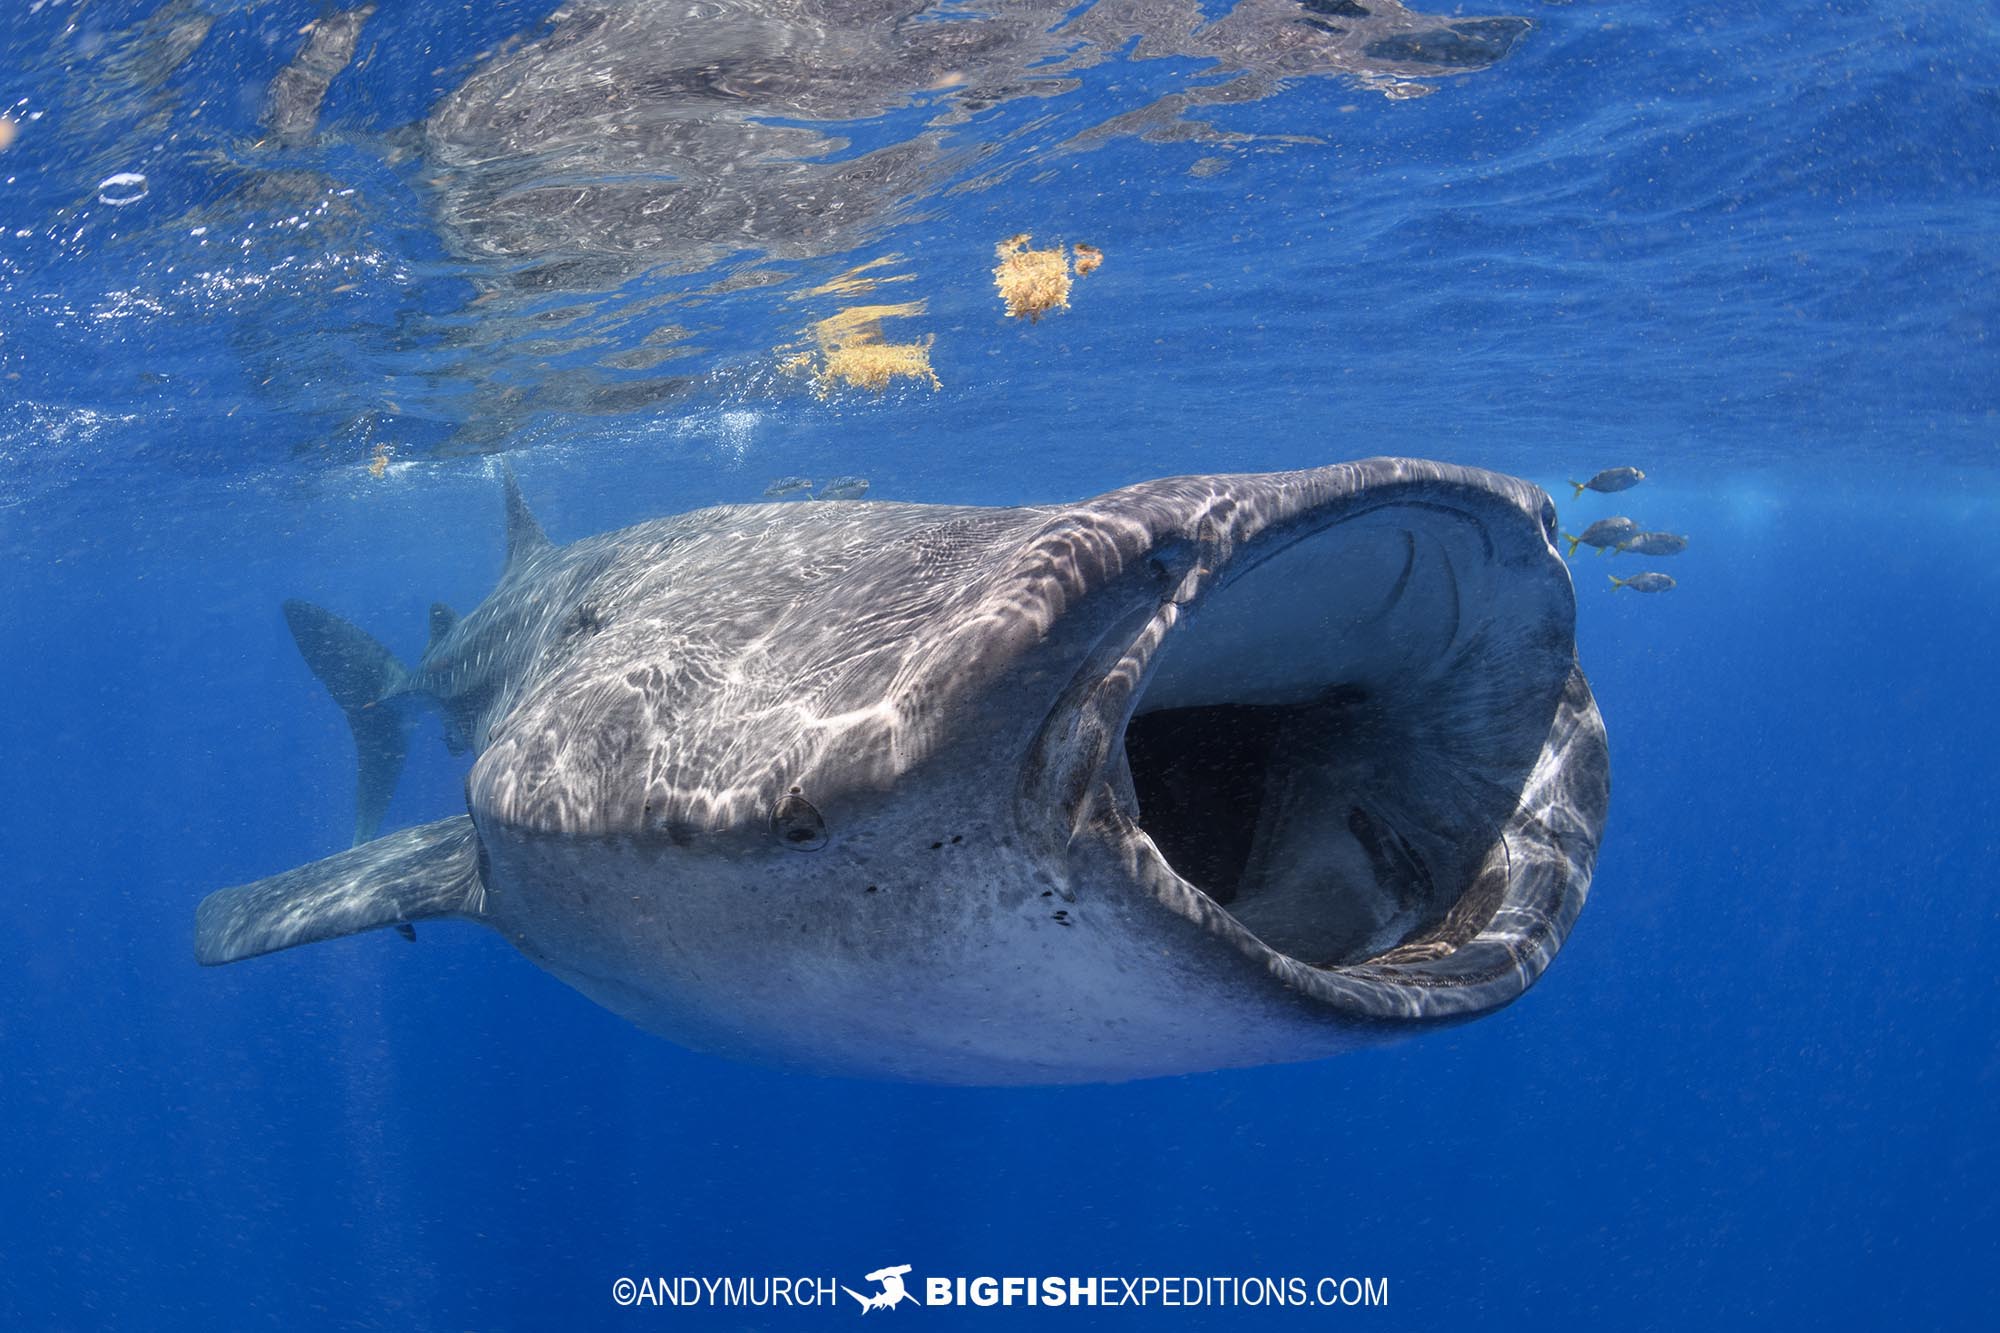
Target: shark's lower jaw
(1363,757)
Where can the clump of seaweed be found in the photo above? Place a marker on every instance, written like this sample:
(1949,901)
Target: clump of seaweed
(1031,282)
(848,348)
(378,463)
(1034,282)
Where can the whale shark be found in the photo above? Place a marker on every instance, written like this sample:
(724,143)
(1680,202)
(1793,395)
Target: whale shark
(1205,772)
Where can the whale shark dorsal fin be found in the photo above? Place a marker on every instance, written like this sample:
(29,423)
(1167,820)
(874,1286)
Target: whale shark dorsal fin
(442,619)
(410,875)
(525,537)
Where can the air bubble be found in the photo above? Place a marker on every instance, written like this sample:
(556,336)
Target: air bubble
(797,825)
(127,187)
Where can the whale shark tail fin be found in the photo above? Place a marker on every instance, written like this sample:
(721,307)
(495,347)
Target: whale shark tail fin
(411,875)
(361,675)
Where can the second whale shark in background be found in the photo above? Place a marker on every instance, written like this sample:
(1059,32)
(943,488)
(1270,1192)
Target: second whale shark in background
(1205,772)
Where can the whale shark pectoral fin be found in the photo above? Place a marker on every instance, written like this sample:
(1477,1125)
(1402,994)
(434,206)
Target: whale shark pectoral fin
(428,871)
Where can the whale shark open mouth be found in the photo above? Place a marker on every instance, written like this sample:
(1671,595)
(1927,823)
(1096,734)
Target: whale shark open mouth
(1328,747)
(1273,823)
(1363,755)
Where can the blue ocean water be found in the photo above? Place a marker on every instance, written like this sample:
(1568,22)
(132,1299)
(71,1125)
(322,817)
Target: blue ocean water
(1751,249)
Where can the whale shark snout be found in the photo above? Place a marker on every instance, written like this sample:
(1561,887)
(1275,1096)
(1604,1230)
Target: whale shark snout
(1207,772)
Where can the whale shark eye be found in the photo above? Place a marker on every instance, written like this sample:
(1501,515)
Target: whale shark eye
(1549,517)
(797,824)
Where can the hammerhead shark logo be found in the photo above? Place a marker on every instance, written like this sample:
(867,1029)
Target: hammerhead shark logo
(893,1291)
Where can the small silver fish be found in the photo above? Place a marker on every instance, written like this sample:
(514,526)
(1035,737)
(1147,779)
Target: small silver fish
(843,488)
(1643,582)
(784,486)
(1654,543)
(1605,532)
(1609,480)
